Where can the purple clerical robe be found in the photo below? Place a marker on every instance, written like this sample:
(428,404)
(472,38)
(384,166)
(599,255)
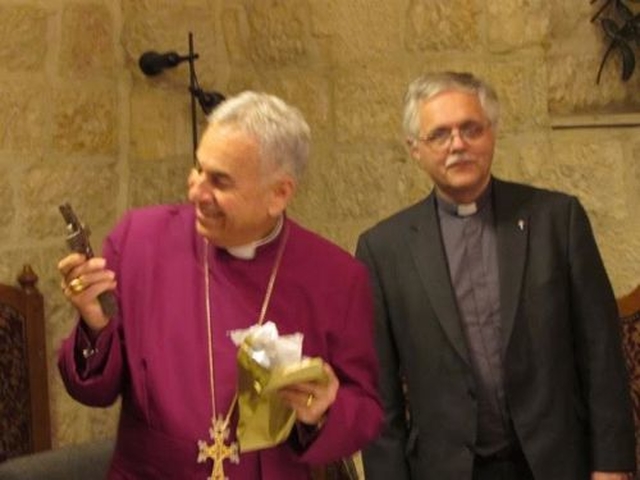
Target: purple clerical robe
(155,352)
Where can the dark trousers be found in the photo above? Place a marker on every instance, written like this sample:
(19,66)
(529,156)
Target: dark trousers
(508,465)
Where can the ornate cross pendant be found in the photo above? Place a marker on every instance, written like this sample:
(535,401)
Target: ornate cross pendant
(218,450)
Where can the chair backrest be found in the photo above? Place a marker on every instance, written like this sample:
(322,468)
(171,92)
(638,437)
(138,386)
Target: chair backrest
(629,311)
(71,462)
(24,395)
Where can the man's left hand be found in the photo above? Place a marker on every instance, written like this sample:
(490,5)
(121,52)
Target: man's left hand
(311,400)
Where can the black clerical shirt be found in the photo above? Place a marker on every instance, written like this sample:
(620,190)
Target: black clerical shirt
(469,237)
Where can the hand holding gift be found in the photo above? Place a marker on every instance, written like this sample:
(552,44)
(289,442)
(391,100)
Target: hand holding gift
(277,386)
(311,400)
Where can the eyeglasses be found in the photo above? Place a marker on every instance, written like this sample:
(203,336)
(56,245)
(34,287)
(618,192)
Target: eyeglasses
(440,139)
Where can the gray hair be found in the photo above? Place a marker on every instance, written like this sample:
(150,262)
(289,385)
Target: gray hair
(282,133)
(428,86)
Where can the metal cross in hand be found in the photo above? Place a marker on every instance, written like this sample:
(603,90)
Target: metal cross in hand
(218,450)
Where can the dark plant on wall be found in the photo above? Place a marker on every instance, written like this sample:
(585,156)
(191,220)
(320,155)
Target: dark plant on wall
(622,29)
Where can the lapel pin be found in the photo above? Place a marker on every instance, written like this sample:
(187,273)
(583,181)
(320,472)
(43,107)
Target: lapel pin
(521,225)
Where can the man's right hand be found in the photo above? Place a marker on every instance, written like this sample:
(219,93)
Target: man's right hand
(82,281)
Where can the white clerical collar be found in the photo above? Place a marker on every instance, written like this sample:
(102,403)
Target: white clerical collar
(248,251)
(464,209)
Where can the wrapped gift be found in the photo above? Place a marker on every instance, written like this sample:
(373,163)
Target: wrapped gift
(266,363)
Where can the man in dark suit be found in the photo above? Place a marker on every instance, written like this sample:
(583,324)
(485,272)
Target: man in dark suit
(496,323)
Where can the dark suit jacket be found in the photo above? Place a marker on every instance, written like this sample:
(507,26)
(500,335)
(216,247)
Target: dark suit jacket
(565,379)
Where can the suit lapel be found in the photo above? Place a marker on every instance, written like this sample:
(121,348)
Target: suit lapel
(425,243)
(512,229)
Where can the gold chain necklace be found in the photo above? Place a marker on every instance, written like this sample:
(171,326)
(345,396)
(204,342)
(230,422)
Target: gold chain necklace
(219,450)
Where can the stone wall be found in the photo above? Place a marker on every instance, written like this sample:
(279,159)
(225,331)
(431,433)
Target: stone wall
(80,123)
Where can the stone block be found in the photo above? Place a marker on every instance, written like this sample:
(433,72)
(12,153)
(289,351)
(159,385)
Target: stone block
(368,103)
(8,210)
(522,156)
(632,172)
(23,109)
(310,91)
(163,26)
(357,30)
(517,24)
(590,166)
(441,25)
(571,31)
(245,78)
(77,423)
(573,89)
(85,119)
(353,184)
(235,34)
(7,273)
(343,233)
(23,36)
(278,31)
(88,39)
(161,182)
(161,122)
(89,185)
(521,85)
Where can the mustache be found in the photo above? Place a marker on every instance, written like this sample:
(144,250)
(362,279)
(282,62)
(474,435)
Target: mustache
(209,211)
(455,159)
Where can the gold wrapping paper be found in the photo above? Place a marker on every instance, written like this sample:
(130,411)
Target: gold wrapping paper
(264,420)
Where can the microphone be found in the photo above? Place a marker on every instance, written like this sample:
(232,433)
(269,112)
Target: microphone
(208,100)
(152,63)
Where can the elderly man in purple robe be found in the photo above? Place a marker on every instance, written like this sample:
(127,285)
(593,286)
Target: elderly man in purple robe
(186,275)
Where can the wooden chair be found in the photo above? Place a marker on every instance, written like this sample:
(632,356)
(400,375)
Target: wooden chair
(24,395)
(629,311)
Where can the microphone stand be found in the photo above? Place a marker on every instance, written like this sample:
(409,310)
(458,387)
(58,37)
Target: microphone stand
(193,85)
(153,63)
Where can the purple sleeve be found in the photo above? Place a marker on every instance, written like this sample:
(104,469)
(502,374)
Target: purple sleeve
(92,371)
(356,409)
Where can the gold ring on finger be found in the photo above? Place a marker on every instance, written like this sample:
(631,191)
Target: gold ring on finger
(309,401)
(76,285)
